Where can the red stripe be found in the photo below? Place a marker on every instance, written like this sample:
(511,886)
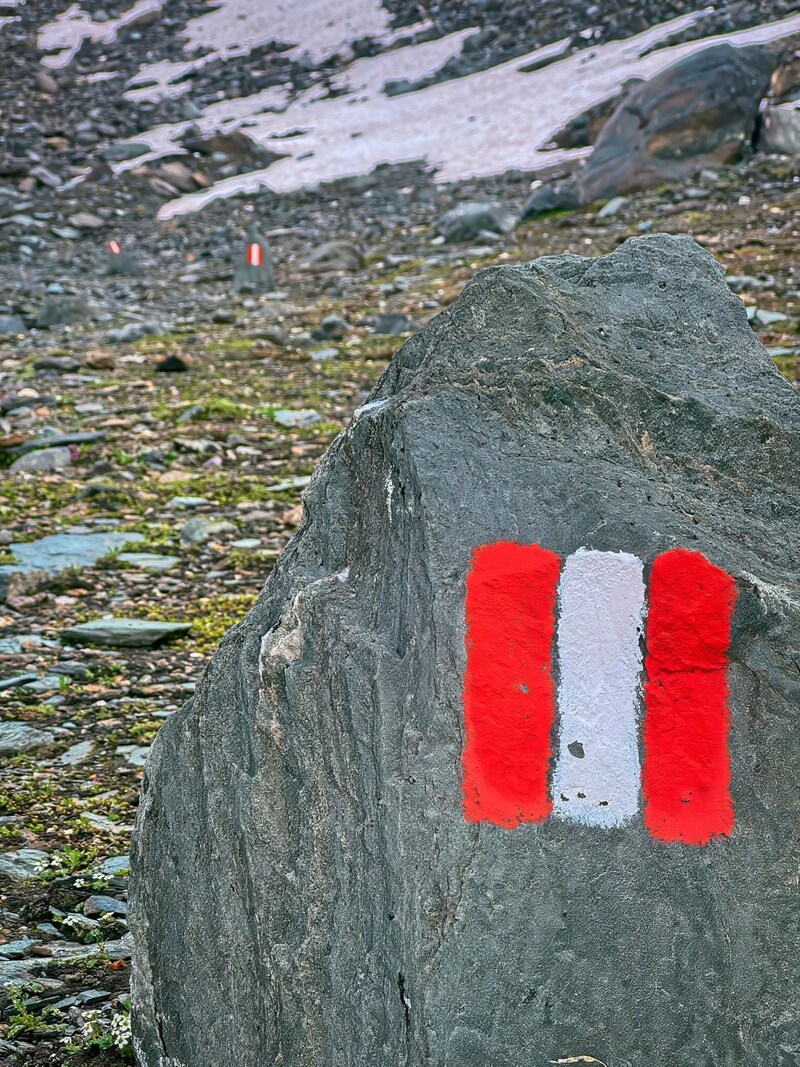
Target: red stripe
(509,699)
(114,247)
(686,773)
(254,255)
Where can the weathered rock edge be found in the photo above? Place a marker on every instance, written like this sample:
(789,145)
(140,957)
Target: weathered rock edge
(306,891)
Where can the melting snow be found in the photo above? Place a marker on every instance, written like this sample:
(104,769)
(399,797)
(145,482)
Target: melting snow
(476,126)
(65,34)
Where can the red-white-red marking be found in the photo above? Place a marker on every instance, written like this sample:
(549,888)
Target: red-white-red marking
(255,255)
(114,248)
(678,701)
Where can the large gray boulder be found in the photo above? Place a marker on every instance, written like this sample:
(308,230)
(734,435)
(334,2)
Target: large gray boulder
(307,889)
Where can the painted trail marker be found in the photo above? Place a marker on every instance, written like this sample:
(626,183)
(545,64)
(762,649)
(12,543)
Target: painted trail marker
(501,768)
(120,260)
(510,697)
(255,272)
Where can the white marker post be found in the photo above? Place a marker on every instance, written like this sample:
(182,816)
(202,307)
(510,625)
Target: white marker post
(601,599)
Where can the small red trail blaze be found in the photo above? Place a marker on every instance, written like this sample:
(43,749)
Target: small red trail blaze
(255,257)
(509,697)
(114,248)
(686,773)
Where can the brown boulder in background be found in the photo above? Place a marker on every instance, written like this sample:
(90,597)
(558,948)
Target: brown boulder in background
(696,113)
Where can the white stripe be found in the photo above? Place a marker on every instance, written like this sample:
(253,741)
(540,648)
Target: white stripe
(601,617)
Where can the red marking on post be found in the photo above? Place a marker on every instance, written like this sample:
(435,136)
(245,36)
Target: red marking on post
(509,697)
(255,255)
(686,772)
(114,247)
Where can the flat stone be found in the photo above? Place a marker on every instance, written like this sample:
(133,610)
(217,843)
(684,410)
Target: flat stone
(116,866)
(24,642)
(10,325)
(136,755)
(85,220)
(124,633)
(60,552)
(743,283)
(102,822)
(187,503)
(18,737)
(17,950)
(334,255)
(24,971)
(18,680)
(43,684)
(297,420)
(102,905)
(134,331)
(122,150)
(148,561)
(64,311)
(44,459)
(199,530)
(762,320)
(467,221)
(57,439)
(290,483)
(21,863)
(121,949)
(612,207)
(393,324)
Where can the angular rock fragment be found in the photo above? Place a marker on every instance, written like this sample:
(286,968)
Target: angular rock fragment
(697,113)
(64,311)
(780,130)
(20,736)
(49,556)
(467,221)
(320,872)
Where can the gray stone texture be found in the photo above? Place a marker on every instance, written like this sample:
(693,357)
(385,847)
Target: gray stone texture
(306,889)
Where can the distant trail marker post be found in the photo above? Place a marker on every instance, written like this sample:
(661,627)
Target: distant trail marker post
(120,260)
(255,271)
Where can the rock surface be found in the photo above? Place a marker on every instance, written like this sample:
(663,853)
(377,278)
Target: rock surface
(306,889)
